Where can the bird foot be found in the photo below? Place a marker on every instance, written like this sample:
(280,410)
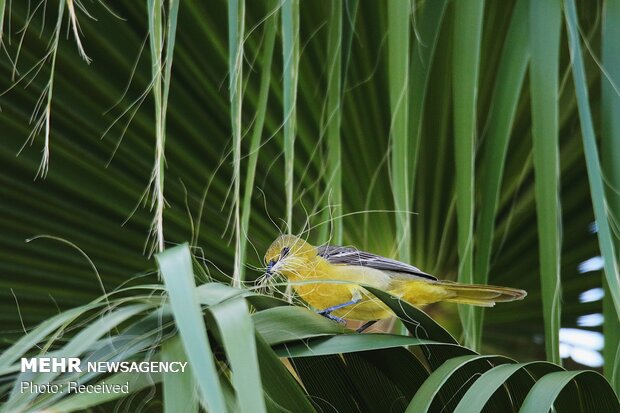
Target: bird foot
(327,314)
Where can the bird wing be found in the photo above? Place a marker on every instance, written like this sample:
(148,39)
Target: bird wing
(352,256)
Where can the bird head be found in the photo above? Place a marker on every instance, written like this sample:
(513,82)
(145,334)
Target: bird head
(287,254)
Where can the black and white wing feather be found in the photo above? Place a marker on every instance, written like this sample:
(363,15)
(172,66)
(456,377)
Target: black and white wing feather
(351,256)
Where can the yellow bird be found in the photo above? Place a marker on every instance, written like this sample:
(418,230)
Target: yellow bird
(339,272)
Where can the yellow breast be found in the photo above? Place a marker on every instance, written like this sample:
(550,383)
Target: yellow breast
(324,285)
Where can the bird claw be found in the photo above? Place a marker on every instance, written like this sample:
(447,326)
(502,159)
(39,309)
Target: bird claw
(327,314)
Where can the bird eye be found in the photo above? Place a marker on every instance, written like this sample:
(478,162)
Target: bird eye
(284,252)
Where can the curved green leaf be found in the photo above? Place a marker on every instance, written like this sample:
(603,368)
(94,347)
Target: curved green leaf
(466,64)
(282,324)
(179,388)
(591,394)
(237,332)
(484,387)
(347,343)
(418,323)
(595,178)
(176,268)
(426,395)
(545,25)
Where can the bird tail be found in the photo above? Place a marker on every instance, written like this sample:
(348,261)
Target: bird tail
(425,292)
(480,295)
